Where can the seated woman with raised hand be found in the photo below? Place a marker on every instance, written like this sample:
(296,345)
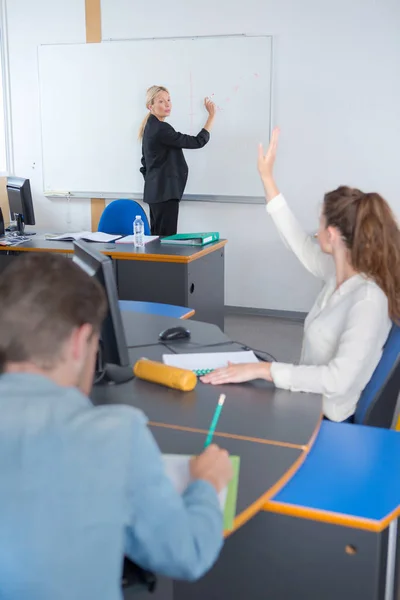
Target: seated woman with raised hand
(358,257)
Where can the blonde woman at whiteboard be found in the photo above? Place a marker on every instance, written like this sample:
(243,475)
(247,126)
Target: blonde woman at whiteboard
(164,167)
(358,259)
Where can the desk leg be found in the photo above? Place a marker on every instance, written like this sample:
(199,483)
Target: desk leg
(275,557)
(392,562)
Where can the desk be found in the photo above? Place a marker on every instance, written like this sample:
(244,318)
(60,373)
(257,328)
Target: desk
(180,275)
(355,506)
(316,513)
(262,425)
(256,423)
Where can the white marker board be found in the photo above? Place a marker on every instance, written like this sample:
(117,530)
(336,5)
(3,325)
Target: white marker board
(93,100)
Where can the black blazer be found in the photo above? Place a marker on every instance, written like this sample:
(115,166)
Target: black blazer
(164,169)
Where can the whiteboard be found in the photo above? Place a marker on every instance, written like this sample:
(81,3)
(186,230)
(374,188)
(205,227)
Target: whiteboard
(92,100)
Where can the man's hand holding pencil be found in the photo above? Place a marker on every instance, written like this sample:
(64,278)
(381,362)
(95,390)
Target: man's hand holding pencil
(214,464)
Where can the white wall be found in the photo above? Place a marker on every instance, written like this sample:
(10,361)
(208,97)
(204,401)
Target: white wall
(336,99)
(29,24)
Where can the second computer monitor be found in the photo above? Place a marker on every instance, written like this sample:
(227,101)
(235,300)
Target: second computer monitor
(114,364)
(20,201)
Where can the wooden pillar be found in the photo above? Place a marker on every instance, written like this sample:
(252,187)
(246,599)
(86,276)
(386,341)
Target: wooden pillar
(93,36)
(93,21)
(4,200)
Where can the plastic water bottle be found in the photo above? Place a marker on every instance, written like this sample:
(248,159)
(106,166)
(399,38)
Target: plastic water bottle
(138,232)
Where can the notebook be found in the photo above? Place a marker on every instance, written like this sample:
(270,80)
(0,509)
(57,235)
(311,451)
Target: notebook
(201,364)
(86,236)
(177,469)
(191,239)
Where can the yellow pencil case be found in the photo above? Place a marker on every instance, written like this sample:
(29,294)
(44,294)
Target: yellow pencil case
(172,377)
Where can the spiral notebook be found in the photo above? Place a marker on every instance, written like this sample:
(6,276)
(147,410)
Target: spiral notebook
(201,364)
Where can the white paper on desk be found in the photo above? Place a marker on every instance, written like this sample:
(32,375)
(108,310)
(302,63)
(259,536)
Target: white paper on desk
(130,239)
(86,236)
(177,469)
(213,360)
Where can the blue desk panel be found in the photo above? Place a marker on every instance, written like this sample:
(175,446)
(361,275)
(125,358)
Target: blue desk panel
(351,470)
(156,308)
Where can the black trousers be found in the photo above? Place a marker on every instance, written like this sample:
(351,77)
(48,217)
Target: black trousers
(164,218)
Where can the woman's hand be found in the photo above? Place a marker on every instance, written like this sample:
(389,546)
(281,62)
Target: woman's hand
(266,164)
(239,373)
(210,107)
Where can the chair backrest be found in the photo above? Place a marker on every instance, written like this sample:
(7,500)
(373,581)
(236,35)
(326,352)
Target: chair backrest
(118,217)
(378,401)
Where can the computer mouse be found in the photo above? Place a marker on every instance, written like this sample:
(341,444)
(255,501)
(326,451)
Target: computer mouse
(174,333)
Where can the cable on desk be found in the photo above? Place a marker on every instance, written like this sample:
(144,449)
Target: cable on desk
(144,345)
(259,353)
(170,348)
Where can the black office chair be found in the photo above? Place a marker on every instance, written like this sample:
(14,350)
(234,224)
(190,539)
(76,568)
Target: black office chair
(137,579)
(377,404)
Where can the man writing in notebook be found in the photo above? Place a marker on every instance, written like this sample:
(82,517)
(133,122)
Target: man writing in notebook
(81,485)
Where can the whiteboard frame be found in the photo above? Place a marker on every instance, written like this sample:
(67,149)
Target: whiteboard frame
(186,197)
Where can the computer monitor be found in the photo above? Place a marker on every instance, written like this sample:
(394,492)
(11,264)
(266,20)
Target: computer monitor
(113,364)
(20,201)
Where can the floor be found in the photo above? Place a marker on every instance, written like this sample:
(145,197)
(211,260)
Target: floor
(279,337)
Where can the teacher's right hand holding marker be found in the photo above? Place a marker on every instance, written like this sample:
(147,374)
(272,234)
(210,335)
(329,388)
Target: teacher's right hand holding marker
(212,110)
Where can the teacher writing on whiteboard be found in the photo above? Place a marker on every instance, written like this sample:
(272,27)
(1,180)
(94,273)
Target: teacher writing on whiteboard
(164,167)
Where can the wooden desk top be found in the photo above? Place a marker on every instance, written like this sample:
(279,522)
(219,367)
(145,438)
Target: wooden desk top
(154,251)
(271,430)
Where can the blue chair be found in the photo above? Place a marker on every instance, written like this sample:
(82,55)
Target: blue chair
(119,215)
(155,308)
(377,403)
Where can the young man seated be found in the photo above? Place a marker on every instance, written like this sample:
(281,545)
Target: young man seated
(82,486)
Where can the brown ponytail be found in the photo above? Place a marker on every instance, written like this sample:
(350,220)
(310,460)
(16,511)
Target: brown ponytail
(372,235)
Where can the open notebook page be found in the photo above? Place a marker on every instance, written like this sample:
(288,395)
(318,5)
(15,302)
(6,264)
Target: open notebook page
(177,469)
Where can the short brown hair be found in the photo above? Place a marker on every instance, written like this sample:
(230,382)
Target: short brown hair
(43,297)
(372,235)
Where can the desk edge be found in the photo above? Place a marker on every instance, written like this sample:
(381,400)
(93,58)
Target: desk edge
(259,504)
(167,258)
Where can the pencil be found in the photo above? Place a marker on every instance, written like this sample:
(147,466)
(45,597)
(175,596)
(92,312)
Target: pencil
(214,421)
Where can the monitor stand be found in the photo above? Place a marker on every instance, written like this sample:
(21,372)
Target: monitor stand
(20,228)
(107,374)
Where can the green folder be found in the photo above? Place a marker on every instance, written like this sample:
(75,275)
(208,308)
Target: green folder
(191,239)
(233,487)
